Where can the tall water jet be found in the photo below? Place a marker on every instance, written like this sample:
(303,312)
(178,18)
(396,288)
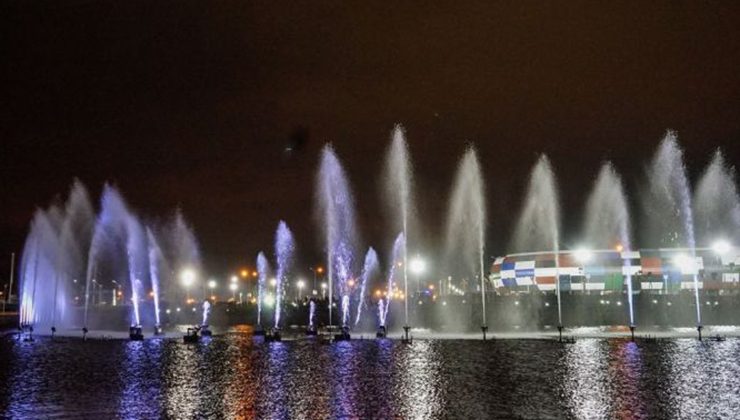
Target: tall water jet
(53,260)
(607,223)
(369,270)
(538,228)
(118,229)
(284,247)
(263,270)
(716,204)
(155,262)
(396,262)
(335,210)
(206,312)
(466,222)
(38,264)
(74,241)
(311,314)
(668,207)
(398,183)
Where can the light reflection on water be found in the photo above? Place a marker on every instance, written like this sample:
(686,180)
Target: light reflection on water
(238,376)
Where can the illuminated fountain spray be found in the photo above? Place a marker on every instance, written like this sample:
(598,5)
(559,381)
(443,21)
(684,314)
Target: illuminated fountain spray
(206,312)
(311,314)
(607,224)
(669,211)
(284,247)
(716,204)
(335,208)
(263,270)
(385,303)
(466,222)
(369,270)
(117,227)
(37,267)
(398,193)
(55,257)
(155,261)
(538,227)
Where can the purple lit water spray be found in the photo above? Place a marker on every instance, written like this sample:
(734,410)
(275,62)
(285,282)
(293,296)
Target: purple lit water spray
(263,270)
(284,247)
(335,209)
(311,313)
(369,270)
(155,258)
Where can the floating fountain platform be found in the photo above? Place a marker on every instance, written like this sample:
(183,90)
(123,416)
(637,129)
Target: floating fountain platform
(407,339)
(191,336)
(205,331)
(273,335)
(311,331)
(381,333)
(158,330)
(135,334)
(343,335)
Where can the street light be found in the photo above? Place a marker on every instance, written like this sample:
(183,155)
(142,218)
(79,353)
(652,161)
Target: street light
(233,287)
(323,290)
(187,277)
(273,282)
(212,284)
(418,266)
(583,255)
(721,247)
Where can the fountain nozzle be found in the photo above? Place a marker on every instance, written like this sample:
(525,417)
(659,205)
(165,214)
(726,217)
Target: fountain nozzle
(484,329)
(632,332)
(698,329)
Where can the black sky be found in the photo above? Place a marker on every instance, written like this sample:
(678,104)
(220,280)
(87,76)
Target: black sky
(192,103)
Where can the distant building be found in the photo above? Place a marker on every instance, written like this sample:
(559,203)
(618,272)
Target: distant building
(667,270)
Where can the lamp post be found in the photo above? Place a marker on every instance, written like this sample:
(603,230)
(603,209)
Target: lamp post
(301,284)
(233,287)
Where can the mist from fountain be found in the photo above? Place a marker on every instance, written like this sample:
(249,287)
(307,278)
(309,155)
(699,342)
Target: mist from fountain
(538,227)
(398,185)
(369,270)
(716,204)
(263,270)
(335,211)
(607,222)
(284,247)
(668,205)
(183,253)
(466,221)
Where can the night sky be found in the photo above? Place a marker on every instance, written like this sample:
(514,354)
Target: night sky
(193,104)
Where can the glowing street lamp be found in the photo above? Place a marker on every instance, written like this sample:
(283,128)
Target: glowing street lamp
(417,266)
(721,247)
(323,290)
(187,278)
(234,279)
(233,287)
(212,284)
(273,282)
(583,255)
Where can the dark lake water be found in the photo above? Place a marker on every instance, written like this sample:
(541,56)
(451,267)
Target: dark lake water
(238,376)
